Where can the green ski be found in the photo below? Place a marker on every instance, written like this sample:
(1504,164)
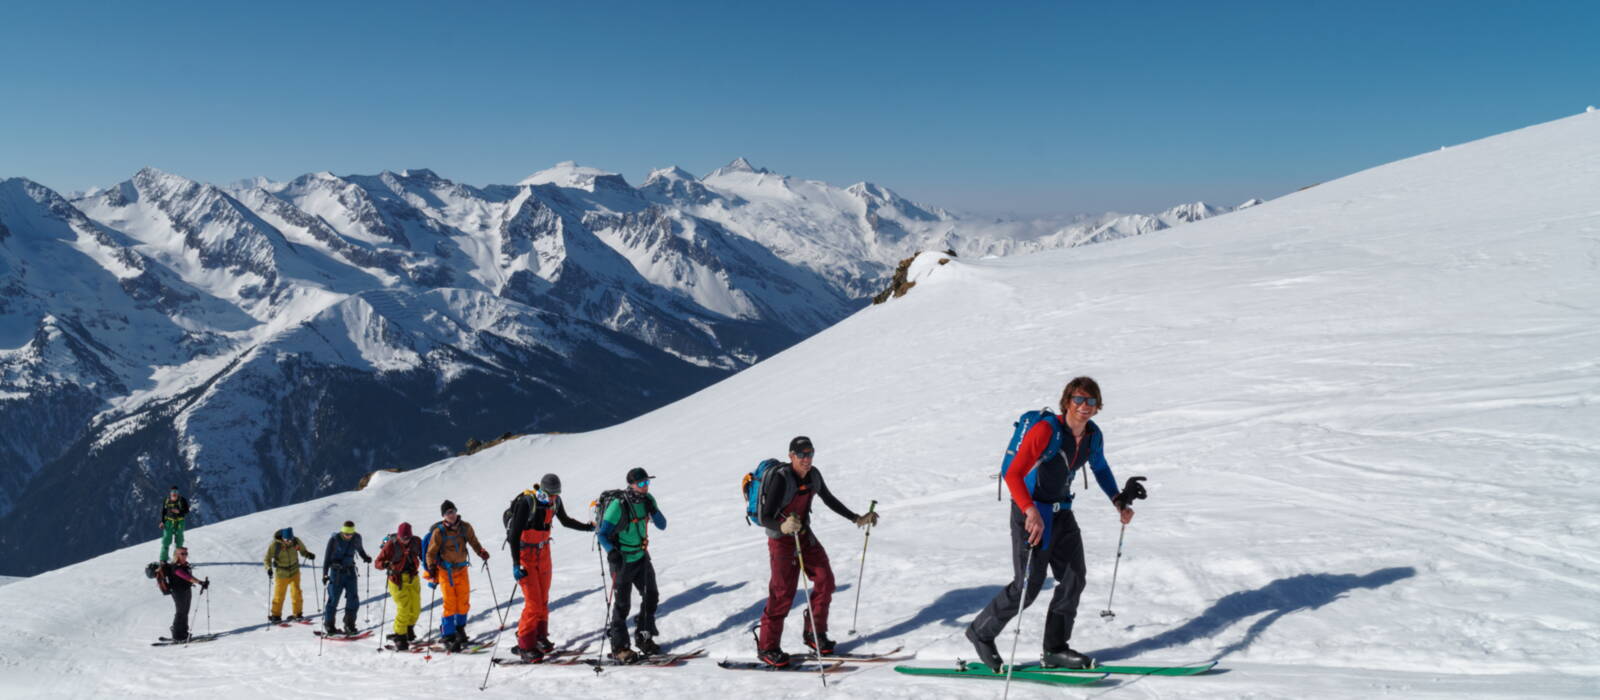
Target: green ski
(981,671)
(1194,670)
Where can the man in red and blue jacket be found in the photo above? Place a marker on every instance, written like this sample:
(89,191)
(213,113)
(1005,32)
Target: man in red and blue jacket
(1043,529)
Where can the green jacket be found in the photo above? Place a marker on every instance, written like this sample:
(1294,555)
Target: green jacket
(283,560)
(632,532)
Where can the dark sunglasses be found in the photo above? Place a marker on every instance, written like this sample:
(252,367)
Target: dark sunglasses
(1092,401)
(807,454)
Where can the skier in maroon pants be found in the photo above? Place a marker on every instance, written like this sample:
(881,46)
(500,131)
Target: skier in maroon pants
(787,495)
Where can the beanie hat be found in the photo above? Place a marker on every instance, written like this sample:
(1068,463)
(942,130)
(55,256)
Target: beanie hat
(446,507)
(404,530)
(550,484)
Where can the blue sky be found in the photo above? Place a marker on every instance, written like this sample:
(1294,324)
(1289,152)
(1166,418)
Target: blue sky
(1027,108)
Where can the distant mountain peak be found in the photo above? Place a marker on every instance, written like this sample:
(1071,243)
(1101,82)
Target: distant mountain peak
(568,173)
(739,165)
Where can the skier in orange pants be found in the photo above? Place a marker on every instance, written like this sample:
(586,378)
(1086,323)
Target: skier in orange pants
(532,514)
(447,561)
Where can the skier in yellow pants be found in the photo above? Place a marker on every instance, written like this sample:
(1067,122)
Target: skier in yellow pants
(401,556)
(283,566)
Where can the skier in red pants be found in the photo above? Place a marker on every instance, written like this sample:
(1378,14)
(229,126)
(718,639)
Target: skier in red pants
(787,494)
(529,533)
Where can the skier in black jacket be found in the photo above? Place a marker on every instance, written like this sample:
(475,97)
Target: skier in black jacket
(180,581)
(788,493)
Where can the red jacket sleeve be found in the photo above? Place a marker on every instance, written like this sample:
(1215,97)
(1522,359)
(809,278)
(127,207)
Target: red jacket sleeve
(1033,444)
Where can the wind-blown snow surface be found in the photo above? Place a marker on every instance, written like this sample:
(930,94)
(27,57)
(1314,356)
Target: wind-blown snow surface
(1366,410)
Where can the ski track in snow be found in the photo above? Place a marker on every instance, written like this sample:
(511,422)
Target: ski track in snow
(1366,411)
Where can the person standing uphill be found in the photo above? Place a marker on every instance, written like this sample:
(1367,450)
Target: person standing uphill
(787,495)
(1042,522)
(528,531)
(173,512)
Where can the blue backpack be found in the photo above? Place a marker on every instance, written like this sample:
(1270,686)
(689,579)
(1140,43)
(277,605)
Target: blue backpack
(755,491)
(1020,429)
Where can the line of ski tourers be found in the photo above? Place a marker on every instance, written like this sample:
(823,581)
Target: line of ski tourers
(1046,450)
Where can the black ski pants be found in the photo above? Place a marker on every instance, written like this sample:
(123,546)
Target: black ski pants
(1063,553)
(639,574)
(180,614)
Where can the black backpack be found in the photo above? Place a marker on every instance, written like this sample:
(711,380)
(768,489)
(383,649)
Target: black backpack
(604,502)
(158,571)
(505,518)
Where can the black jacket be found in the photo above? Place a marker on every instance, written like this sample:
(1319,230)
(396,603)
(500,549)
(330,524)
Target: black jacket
(782,486)
(173,511)
(527,513)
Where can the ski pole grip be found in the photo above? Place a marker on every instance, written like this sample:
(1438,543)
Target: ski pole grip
(872,507)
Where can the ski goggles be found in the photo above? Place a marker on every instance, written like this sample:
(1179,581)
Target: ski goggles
(642,484)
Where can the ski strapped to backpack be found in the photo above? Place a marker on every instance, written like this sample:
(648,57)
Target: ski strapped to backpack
(755,491)
(1020,430)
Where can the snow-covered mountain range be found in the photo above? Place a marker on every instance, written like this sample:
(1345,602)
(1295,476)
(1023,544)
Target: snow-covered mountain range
(266,342)
(1366,411)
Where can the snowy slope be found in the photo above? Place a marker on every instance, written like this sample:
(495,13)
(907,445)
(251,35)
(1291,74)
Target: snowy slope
(1366,411)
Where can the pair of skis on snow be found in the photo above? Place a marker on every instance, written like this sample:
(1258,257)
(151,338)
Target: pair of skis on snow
(827,663)
(1035,673)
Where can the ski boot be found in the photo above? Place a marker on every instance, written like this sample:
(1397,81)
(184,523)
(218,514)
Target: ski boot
(773,657)
(820,644)
(531,656)
(987,653)
(646,644)
(1065,658)
(544,645)
(625,655)
(274,619)
(400,642)
(350,627)
(328,630)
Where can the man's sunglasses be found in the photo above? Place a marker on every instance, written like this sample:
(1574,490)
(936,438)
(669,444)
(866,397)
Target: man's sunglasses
(1092,401)
(805,454)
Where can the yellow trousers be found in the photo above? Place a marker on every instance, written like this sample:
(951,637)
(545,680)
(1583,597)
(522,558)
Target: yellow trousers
(407,602)
(290,585)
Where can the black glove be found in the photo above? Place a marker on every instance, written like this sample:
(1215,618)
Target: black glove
(615,557)
(324,579)
(311,556)
(205,584)
(367,559)
(1132,491)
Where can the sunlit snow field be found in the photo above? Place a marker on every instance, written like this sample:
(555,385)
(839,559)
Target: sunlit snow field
(1367,412)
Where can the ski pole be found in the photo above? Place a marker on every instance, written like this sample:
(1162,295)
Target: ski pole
(1131,492)
(1027,570)
(822,670)
(433,594)
(383,612)
(495,644)
(1106,614)
(600,552)
(208,607)
(494,596)
(366,610)
(864,540)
